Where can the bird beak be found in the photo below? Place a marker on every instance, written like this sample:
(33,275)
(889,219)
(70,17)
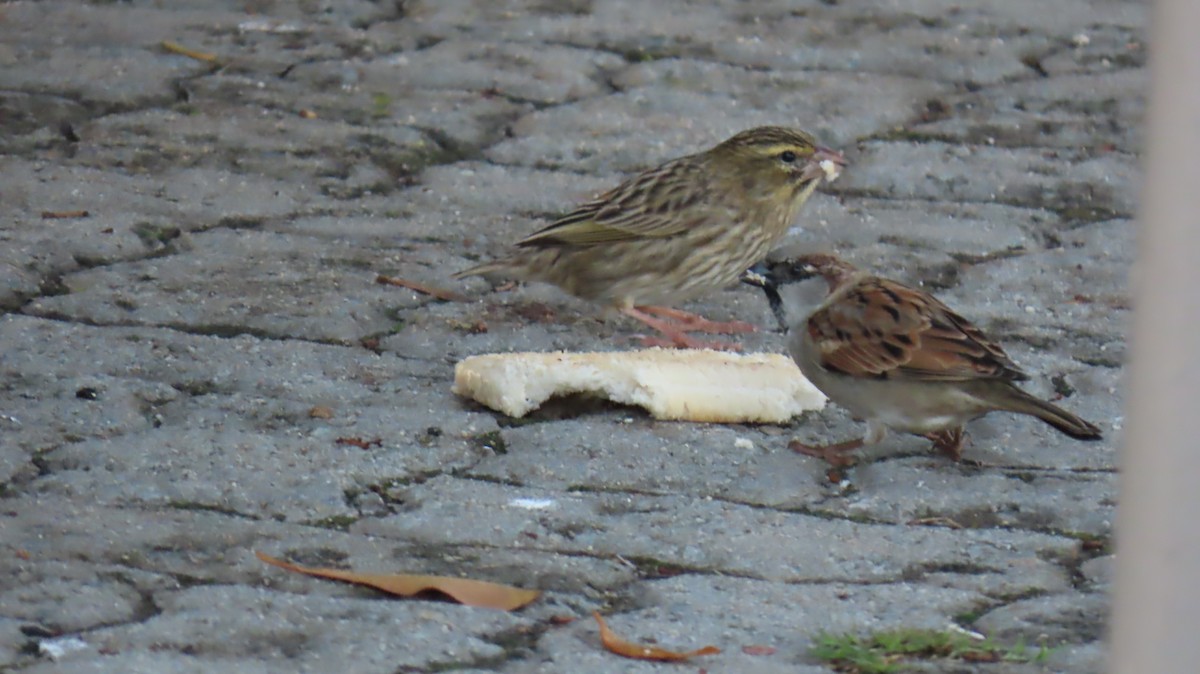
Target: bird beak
(761,276)
(758,276)
(824,163)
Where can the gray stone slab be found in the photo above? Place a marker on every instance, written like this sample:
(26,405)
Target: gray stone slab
(125,217)
(736,614)
(1023,177)
(1097,113)
(303,289)
(721,537)
(269,627)
(1060,618)
(1100,570)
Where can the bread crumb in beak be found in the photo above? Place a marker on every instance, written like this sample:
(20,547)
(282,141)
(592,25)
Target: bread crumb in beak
(831,169)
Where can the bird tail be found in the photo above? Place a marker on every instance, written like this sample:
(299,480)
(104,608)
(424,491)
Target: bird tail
(1022,403)
(490,268)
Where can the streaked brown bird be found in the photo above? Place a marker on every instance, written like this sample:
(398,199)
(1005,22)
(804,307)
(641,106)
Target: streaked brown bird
(900,359)
(677,231)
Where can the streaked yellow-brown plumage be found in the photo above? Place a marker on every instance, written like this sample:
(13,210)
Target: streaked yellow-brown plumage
(680,230)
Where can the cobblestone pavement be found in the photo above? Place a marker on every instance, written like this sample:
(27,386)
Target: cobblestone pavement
(162,357)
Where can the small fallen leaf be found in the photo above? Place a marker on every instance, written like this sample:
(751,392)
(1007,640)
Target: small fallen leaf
(64,215)
(758,650)
(320,412)
(980,656)
(463,590)
(305,113)
(176,48)
(440,293)
(360,442)
(616,644)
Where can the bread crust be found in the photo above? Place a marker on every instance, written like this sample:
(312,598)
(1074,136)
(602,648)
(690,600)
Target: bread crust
(673,384)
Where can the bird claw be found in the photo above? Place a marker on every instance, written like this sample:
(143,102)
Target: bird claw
(949,442)
(686,321)
(674,330)
(836,455)
(718,327)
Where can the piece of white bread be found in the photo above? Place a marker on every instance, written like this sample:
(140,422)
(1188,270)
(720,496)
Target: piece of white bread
(685,385)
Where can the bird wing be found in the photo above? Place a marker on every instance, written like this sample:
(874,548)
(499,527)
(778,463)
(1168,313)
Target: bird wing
(654,204)
(883,329)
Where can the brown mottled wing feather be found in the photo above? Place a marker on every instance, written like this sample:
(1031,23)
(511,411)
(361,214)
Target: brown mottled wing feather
(653,204)
(884,329)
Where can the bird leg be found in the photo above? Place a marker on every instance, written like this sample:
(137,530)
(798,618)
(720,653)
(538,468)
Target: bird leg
(675,335)
(836,455)
(689,322)
(949,441)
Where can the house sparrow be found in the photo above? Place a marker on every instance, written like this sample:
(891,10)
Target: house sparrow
(678,231)
(900,359)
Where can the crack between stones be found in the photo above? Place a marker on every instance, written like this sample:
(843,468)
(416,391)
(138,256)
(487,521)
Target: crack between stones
(223,332)
(864,193)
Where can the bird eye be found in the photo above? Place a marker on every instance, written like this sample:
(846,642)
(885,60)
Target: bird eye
(788,156)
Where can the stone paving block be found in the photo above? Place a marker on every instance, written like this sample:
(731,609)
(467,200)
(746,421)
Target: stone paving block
(688,611)
(63,597)
(187,199)
(227,419)
(537,74)
(22,113)
(838,108)
(720,537)
(1099,571)
(1059,618)
(328,157)
(877,232)
(982,174)
(641,455)
(1095,113)
(93,52)
(647,124)
(304,289)
(326,633)
(126,218)
(905,489)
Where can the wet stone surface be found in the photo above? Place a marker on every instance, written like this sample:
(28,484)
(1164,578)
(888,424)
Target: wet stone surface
(191,329)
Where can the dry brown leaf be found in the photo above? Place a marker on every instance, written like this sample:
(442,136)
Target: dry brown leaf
(462,590)
(616,644)
(176,48)
(63,215)
(361,443)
